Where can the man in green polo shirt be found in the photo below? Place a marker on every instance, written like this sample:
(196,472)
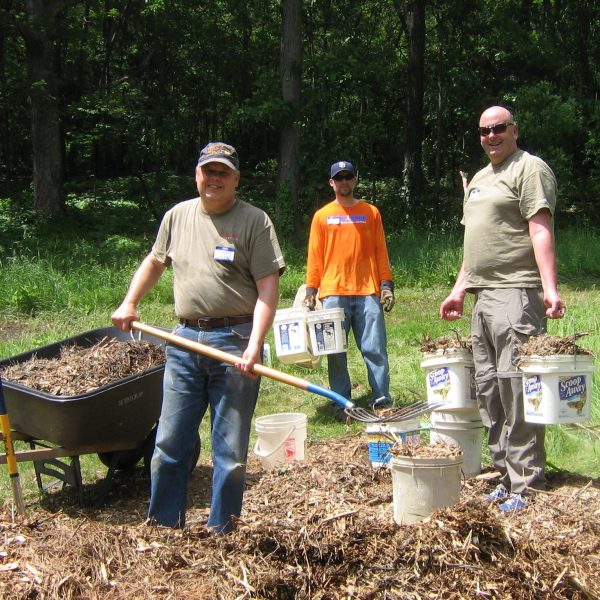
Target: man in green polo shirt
(509,264)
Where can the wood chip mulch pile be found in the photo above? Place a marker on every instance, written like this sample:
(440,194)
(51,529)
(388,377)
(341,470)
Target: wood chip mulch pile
(550,345)
(78,370)
(319,529)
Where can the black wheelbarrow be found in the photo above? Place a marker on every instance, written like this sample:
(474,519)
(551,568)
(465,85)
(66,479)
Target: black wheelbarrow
(116,421)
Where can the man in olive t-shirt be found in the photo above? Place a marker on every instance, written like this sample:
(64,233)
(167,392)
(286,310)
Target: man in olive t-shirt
(509,264)
(226,263)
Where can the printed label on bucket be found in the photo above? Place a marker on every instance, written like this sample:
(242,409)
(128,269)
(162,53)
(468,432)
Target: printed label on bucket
(289,450)
(380,445)
(291,336)
(532,387)
(572,390)
(325,335)
(572,395)
(439,381)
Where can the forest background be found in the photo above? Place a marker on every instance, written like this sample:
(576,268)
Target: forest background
(96,89)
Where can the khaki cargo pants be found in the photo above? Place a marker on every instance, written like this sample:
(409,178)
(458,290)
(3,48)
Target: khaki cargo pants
(502,319)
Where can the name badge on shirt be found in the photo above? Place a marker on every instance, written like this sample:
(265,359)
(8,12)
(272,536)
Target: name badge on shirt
(224,253)
(334,220)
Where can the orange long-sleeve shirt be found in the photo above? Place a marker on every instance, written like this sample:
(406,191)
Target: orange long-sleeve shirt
(347,253)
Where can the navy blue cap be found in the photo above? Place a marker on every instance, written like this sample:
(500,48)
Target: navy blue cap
(219,152)
(341,165)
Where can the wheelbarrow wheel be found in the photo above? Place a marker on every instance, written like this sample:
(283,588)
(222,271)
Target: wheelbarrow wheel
(149,450)
(126,459)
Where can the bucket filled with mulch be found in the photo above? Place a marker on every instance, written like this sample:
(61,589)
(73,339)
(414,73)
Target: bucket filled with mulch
(424,479)
(557,379)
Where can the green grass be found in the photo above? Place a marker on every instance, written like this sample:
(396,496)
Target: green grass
(59,281)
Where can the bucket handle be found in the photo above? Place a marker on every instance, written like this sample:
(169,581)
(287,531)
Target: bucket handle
(261,454)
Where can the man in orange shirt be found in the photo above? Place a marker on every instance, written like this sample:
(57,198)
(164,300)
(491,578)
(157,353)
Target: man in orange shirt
(348,265)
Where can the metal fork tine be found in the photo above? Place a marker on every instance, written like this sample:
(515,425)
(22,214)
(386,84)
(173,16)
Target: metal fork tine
(403,414)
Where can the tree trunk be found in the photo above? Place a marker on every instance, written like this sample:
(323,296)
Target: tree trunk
(39,33)
(413,156)
(288,177)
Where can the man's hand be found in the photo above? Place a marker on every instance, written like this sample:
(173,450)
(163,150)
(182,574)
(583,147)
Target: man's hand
(387,297)
(451,308)
(124,315)
(310,300)
(555,307)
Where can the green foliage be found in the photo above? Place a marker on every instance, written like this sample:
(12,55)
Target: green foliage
(145,84)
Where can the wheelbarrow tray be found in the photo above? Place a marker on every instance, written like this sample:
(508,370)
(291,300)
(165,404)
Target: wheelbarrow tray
(121,412)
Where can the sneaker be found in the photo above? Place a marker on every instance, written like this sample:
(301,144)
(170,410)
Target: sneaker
(515,502)
(499,494)
(383,402)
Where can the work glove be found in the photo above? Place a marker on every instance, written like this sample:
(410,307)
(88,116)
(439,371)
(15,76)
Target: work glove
(310,300)
(387,295)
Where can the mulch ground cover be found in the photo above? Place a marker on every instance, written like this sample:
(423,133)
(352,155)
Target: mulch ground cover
(320,529)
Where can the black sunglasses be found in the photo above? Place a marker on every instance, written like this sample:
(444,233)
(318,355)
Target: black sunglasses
(495,129)
(343,177)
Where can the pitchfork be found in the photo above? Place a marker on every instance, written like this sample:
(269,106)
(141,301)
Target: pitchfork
(355,412)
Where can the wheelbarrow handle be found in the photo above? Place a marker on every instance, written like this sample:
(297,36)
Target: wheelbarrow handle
(233,359)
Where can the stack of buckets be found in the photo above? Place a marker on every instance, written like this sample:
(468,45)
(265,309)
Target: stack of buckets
(450,378)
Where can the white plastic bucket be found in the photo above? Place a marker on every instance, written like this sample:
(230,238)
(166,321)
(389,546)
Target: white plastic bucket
(450,378)
(291,336)
(468,436)
(422,485)
(326,330)
(382,437)
(557,389)
(281,439)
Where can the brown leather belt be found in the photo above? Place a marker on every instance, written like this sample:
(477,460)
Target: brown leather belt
(217,323)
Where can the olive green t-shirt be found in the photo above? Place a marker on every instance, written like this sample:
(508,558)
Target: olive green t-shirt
(499,201)
(216,259)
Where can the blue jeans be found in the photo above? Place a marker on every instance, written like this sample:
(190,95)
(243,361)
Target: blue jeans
(192,383)
(364,315)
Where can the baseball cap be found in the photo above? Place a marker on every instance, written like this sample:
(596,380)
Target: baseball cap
(342,165)
(219,152)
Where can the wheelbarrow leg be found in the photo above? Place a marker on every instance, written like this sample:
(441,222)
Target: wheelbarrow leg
(61,471)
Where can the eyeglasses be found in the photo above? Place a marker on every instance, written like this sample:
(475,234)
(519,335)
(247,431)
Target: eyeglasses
(495,129)
(343,177)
